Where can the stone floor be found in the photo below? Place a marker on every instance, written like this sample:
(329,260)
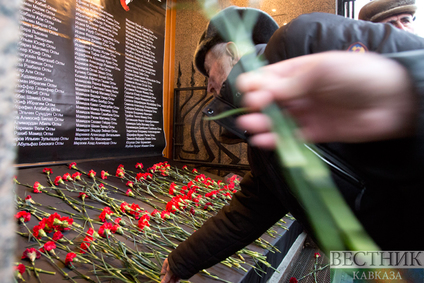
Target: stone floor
(301,263)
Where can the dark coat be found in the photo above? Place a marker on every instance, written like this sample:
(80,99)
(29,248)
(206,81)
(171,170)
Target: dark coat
(381,181)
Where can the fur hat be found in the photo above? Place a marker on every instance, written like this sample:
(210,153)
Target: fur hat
(263,29)
(378,10)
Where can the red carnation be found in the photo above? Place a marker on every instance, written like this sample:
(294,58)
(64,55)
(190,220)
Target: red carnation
(119,221)
(125,207)
(104,174)
(139,176)
(38,231)
(165,215)
(105,229)
(130,184)
(59,223)
(105,214)
(37,187)
(23,216)
(70,258)
(293,280)
(19,270)
(48,246)
(76,176)
(57,236)
(67,177)
(91,173)
(129,193)
(29,200)
(82,195)
(92,233)
(58,181)
(139,166)
(32,254)
(117,229)
(172,188)
(317,255)
(48,171)
(144,222)
(86,243)
(73,165)
(120,173)
(135,210)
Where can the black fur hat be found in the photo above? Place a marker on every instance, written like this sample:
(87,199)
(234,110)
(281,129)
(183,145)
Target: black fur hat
(263,29)
(378,10)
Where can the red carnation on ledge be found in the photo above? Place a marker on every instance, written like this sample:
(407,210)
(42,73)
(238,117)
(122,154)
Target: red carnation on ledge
(130,184)
(48,171)
(129,193)
(125,207)
(23,216)
(57,236)
(58,180)
(154,213)
(19,270)
(104,175)
(85,244)
(105,214)
(139,166)
(73,165)
(82,195)
(29,200)
(165,215)
(32,254)
(120,173)
(106,229)
(59,223)
(293,280)
(70,258)
(91,173)
(76,176)
(37,188)
(172,188)
(38,230)
(48,247)
(67,177)
(143,223)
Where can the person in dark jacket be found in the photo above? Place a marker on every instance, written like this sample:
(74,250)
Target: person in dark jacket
(375,178)
(217,58)
(399,13)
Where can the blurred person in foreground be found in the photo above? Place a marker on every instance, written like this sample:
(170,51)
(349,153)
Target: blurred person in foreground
(375,178)
(399,13)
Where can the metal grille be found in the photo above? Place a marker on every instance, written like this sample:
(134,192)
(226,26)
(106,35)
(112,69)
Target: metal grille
(196,141)
(304,265)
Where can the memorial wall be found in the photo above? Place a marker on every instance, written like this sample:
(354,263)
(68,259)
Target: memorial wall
(90,80)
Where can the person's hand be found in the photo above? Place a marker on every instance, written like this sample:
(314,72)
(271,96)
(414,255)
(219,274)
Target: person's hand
(333,96)
(166,274)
